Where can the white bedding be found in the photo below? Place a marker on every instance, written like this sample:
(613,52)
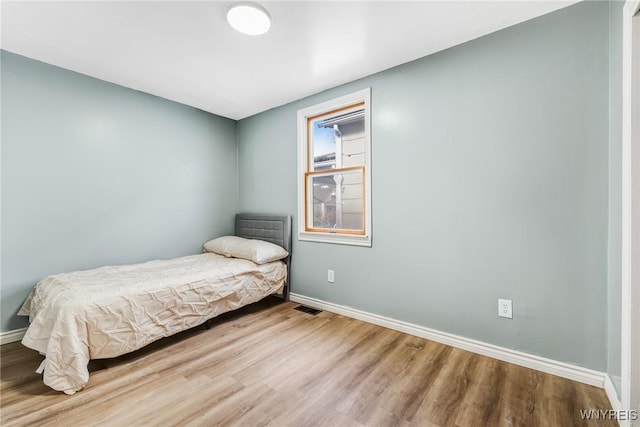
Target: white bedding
(110,311)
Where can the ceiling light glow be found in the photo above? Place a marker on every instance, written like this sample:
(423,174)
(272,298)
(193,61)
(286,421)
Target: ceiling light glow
(249,18)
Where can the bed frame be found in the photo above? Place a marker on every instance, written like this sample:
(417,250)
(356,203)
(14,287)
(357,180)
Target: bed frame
(271,228)
(65,369)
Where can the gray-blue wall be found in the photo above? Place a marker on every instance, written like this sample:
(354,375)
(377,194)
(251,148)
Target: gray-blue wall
(96,174)
(490,180)
(614,276)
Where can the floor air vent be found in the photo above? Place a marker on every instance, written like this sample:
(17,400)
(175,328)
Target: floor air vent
(308,310)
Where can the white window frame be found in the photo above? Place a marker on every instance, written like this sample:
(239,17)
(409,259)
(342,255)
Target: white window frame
(303,144)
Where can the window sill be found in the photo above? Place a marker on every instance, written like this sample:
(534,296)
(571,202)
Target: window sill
(340,239)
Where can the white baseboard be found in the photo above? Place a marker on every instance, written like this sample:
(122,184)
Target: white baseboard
(612,395)
(12,336)
(550,366)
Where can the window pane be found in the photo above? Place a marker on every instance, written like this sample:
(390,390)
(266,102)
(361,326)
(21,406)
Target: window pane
(337,140)
(352,141)
(352,201)
(338,200)
(324,202)
(324,147)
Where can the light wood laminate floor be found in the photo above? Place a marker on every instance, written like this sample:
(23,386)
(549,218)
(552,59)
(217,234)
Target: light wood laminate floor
(271,365)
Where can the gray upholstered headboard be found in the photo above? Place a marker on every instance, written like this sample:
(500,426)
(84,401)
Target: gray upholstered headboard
(271,228)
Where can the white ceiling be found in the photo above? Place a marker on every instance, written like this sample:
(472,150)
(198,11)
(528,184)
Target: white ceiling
(186,52)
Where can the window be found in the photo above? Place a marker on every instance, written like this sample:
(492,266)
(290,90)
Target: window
(334,171)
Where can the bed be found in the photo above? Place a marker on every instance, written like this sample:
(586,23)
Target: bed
(109,311)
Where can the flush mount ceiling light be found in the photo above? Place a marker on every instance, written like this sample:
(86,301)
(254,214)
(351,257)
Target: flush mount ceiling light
(249,18)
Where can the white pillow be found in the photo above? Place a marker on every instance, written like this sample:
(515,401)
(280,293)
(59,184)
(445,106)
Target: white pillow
(222,245)
(258,251)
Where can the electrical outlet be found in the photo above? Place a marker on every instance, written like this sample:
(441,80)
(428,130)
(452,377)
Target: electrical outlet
(331,276)
(505,309)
